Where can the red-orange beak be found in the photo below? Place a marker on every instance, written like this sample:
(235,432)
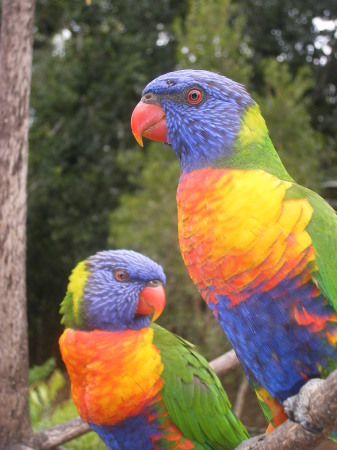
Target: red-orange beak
(148,120)
(151,301)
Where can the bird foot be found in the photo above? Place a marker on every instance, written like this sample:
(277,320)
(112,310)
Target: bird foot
(298,408)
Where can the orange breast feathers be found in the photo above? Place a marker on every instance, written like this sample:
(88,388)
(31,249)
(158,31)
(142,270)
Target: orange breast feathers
(237,232)
(113,374)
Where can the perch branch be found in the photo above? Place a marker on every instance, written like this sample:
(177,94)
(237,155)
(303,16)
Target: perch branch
(240,397)
(59,434)
(292,436)
(225,363)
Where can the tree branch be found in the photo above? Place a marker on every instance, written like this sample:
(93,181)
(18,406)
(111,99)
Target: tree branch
(292,436)
(240,397)
(225,363)
(59,434)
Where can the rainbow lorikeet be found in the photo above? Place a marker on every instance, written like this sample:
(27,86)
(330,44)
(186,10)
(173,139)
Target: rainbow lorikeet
(136,384)
(261,249)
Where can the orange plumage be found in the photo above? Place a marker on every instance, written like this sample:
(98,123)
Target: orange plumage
(122,365)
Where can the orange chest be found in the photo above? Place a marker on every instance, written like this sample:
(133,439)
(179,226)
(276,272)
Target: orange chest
(113,375)
(236,229)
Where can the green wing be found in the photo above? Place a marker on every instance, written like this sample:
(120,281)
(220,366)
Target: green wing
(322,229)
(193,395)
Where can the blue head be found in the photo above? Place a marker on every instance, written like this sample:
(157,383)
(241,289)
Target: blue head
(203,112)
(114,290)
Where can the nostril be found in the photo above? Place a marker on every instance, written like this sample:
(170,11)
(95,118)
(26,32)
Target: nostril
(149,98)
(154,283)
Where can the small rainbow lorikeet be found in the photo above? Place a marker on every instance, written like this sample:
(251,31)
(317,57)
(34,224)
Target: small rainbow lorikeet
(261,249)
(136,384)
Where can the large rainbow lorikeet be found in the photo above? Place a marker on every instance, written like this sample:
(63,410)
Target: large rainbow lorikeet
(136,384)
(261,249)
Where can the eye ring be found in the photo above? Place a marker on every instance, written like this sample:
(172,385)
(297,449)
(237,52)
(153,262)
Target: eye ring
(194,96)
(121,275)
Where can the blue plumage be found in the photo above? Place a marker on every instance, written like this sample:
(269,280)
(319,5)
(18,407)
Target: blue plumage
(127,433)
(273,348)
(223,100)
(109,304)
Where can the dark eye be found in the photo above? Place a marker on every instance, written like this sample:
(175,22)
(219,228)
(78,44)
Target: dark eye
(121,275)
(194,96)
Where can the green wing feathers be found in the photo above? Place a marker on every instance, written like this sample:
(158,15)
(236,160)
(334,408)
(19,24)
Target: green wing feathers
(194,396)
(322,229)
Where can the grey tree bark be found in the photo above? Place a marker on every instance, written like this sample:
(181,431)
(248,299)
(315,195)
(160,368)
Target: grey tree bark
(15,74)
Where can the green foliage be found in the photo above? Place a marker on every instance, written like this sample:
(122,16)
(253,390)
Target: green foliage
(285,30)
(37,373)
(210,40)
(42,395)
(45,382)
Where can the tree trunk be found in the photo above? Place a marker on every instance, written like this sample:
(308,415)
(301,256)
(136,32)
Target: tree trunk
(15,73)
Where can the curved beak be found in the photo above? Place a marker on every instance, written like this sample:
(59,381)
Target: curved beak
(151,301)
(148,120)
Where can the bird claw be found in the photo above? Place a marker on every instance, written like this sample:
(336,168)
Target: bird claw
(298,408)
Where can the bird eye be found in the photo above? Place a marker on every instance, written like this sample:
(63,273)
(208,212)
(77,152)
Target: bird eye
(194,96)
(121,275)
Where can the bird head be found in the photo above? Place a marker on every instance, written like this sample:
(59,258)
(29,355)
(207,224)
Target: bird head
(114,290)
(198,113)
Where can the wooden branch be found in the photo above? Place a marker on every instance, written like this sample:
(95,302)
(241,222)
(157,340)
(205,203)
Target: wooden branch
(59,434)
(292,436)
(224,363)
(240,397)
(21,447)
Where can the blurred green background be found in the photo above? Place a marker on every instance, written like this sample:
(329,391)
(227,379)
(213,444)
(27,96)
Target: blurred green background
(91,187)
